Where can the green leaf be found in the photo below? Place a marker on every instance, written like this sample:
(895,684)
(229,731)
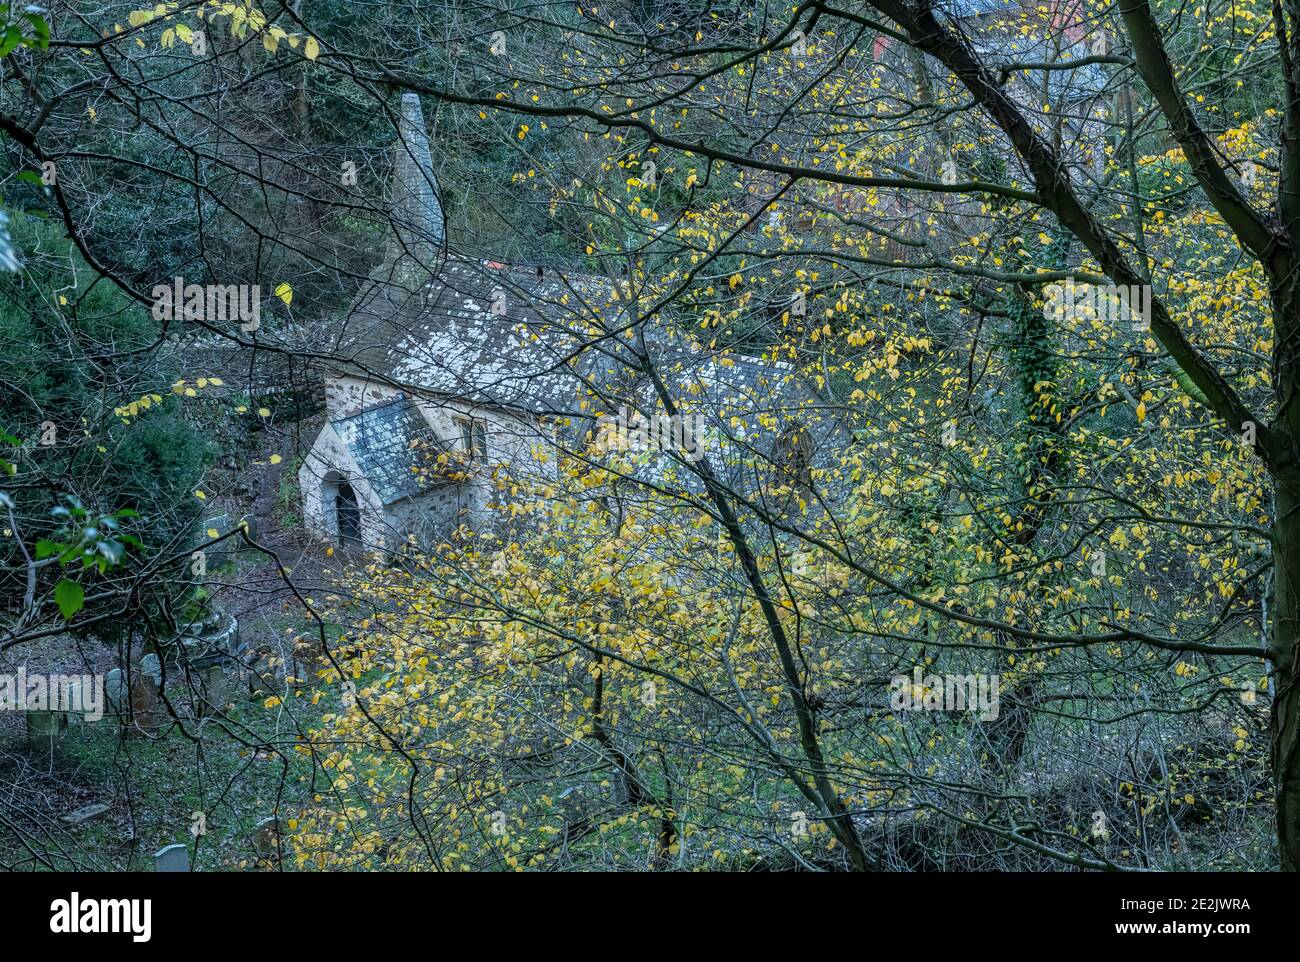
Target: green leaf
(69,596)
(12,37)
(40,29)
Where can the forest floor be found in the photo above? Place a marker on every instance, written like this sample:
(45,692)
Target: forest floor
(105,797)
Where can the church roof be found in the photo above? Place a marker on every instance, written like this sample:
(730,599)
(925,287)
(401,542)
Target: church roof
(390,443)
(975,8)
(1063,33)
(506,337)
(483,333)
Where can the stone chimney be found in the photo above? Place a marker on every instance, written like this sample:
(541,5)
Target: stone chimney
(417,237)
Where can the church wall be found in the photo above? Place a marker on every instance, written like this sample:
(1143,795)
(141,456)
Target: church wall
(329,458)
(517,445)
(431,517)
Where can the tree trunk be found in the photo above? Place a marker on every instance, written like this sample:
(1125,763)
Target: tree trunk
(1285,719)
(1284,610)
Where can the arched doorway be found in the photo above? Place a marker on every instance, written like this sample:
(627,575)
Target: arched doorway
(348,513)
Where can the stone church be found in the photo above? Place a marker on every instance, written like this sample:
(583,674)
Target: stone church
(459,366)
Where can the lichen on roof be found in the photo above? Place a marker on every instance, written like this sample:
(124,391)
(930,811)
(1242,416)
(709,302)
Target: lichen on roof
(481,332)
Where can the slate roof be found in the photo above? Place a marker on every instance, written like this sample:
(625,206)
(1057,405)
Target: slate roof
(750,399)
(737,385)
(481,332)
(556,336)
(993,29)
(975,8)
(388,443)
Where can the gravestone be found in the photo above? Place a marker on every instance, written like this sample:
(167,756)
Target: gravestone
(266,836)
(44,729)
(212,688)
(85,814)
(115,691)
(172,858)
(151,665)
(146,711)
(144,702)
(221,551)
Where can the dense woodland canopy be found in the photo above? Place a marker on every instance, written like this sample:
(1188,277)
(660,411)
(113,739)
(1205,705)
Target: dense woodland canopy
(978,460)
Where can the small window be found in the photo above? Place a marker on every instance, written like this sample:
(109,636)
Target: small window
(472,437)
